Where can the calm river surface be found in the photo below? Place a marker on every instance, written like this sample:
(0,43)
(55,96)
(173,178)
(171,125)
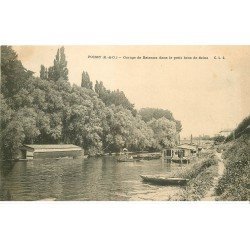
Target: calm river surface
(82,179)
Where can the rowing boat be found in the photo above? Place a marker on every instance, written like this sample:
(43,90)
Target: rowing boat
(163,180)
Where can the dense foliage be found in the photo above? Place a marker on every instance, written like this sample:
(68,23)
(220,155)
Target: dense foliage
(86,83)
(206,160)
(242,128)
(200,174)
(48,109)
(219,139)
(13,74)
(201,177)
(115,97)
(148,114)
(234,184)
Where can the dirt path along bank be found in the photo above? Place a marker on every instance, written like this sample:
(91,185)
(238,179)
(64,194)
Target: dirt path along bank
(210,195)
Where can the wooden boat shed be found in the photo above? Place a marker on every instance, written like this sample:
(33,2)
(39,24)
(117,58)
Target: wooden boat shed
(31,151)
(188,150)
(180,150)
(180,153)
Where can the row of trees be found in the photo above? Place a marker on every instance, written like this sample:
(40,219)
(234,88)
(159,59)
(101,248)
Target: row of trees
(58,70)
(47,109)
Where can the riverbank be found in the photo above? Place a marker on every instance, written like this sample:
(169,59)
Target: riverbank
(201,177)
(234,184)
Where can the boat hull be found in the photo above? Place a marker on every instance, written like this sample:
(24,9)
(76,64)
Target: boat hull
(160,180)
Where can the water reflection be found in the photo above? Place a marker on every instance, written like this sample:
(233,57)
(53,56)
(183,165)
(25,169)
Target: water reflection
(82,179)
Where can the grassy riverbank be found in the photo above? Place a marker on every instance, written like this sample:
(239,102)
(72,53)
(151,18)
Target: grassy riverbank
(235,183)
(201,175)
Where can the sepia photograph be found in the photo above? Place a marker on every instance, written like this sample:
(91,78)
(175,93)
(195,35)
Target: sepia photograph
(125,123)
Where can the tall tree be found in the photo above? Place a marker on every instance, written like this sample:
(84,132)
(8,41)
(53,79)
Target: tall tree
(164,132)
(147,114)
(13,74)
(86,83)
(59,69)
(115,97)
(43,73)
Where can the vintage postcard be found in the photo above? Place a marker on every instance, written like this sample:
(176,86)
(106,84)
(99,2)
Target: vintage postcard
(125,123)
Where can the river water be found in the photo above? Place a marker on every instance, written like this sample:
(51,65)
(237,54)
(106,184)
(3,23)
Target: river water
(91,179)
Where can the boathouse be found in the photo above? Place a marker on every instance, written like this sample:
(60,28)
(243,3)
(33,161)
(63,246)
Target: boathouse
(188,150)
(184,150)
(181,153)
(31,151)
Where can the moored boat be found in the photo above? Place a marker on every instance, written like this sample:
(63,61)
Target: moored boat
(163,180)
(19,159)
(128,159)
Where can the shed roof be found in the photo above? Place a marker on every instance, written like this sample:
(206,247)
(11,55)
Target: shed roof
(52,146)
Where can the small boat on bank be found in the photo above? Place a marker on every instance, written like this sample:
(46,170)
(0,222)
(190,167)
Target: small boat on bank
(163,180)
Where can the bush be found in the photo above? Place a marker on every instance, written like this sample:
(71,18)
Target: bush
(207,159)
(234,184)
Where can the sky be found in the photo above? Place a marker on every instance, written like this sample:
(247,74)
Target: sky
(206,95)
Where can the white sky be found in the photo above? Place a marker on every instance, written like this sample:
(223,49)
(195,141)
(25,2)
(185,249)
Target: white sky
(206,95)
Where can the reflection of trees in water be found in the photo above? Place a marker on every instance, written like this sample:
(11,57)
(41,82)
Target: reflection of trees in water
(100,178)
(5,195)
(13,174)
(5,170)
